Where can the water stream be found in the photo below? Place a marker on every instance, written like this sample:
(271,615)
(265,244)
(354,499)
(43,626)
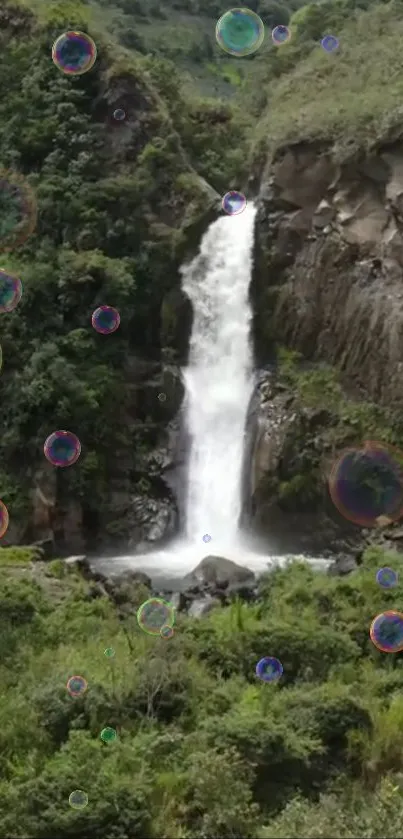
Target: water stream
(218,385)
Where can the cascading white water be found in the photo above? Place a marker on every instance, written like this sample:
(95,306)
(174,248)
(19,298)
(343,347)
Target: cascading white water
(218,385)
(218,378)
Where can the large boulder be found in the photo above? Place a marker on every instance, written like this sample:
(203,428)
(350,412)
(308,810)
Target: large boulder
(218,571)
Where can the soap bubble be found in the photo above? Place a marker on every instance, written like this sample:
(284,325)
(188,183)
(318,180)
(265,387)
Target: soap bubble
(329,43)
(62,448)
(166,631)
(18,210)
(74,53)
(366,486)
(280,35)
(10,291)
(387,577)
(119,115)
(239,32)
(206,538)
(109,652)
(105,320)
(386,632)
(154,614)
(78,799)
(269,669)
(76,686)
(162,397)
(4,519)
(233,203)
(108,735)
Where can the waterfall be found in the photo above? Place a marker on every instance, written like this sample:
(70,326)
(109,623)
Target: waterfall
(218,386)
(218,378)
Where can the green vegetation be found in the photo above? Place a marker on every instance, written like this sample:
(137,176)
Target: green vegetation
(325,422)
(203,748)
(350,98)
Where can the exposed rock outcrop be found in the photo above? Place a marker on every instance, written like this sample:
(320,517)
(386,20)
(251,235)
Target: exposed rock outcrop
(329,264)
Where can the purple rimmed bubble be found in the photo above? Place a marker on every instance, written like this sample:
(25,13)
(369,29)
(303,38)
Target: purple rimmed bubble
(105,320)
(74,53)
(62,448)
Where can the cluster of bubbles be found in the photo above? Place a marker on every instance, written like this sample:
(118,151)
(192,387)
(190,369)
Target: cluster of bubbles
(77,686)
(366,487)
(156,617)
(241,32)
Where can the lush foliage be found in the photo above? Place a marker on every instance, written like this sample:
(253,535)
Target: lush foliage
(203,749)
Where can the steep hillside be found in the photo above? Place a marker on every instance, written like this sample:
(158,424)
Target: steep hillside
(114,203)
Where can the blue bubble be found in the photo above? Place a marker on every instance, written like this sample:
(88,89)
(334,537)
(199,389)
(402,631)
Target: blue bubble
(206,538)
(387,577)
(280,35)
(329,43)
(269,669)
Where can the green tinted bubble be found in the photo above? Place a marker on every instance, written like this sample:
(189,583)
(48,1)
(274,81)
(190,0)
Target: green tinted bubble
(78,799)
(108,735)
(109,652)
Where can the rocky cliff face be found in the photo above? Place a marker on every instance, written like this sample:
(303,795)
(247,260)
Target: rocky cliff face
(329,264)
(328,283)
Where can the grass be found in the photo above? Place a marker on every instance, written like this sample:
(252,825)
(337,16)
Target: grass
(352,97)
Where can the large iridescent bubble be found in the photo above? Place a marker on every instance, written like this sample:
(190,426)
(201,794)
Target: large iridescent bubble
(18,211)
(74,53)
(154,614)
(239,32)
(366,484)
(386,632)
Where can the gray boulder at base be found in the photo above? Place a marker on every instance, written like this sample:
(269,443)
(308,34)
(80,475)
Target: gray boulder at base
(219,571)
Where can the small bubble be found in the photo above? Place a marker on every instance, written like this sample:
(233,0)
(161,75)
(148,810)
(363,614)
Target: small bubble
(76,686)
(206,538)
(166,631)
(387,577)
(119,115)
(329,43)
(62,448)
(105,320)
(233,203)
(280,35)
(109,652)
(78,799)
(269,669)
(162,397)
(108,735)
